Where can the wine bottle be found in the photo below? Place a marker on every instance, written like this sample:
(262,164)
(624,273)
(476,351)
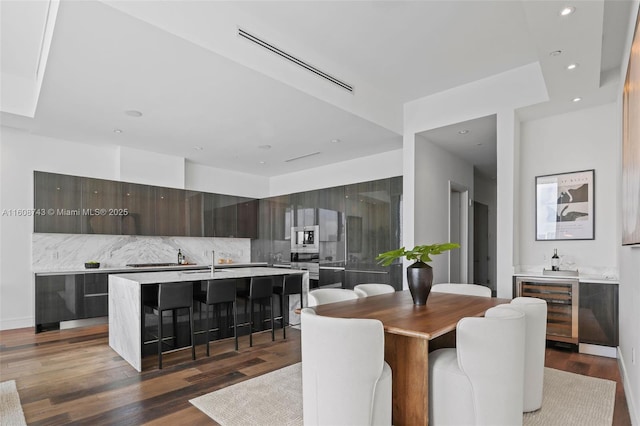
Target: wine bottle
(181,257)
(555,261)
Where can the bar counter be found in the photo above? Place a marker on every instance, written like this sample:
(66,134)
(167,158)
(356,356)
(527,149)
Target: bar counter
(125,302)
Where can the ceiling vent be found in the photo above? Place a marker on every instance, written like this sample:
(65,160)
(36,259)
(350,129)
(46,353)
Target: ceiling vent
(293,59)
(301,157)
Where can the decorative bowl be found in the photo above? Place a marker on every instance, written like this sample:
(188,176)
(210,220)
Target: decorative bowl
(92,265)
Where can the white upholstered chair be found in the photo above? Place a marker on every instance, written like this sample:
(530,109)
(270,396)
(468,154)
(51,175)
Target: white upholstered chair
(345,380)
(535,313)
(322,296)
(468,289)
(480,382)
(365,290)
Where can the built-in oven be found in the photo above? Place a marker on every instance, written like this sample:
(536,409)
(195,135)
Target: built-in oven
(307,262)
(305,239)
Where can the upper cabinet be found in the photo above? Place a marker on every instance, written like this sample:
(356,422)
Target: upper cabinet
(139,202)
(101,206)
(57,201)
(75,205)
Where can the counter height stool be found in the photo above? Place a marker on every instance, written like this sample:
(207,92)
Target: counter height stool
(291,284)
(219,292)
(260,290)
(171,297)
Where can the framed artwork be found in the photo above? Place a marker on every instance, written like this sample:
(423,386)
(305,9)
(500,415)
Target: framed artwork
(631,146)
(565,206)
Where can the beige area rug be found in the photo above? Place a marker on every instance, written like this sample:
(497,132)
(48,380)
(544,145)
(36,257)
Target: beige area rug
(573,399)
(276,399)
(10,409)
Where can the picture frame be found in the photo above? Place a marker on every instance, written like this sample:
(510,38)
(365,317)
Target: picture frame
(565,206)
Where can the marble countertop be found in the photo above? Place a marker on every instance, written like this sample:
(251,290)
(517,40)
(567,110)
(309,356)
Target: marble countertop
(583,278)
(223,273)
(131,269)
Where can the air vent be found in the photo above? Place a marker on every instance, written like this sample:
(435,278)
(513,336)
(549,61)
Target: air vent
(301,157)
(290,58)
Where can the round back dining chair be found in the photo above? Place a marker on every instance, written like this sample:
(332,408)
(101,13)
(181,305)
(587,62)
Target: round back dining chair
(467,289)
(366,290)
(323,296)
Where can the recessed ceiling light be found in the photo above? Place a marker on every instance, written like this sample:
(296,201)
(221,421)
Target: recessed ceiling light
(555,53)
(577,99)
(118,131)
(262,162)
(198,148)
(335,140)
(264,146)
(567,10)
(572,66)
(463,132)
(133,113)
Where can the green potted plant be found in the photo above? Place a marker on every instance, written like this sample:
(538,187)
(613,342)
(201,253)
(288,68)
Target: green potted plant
(92,264)
(419,274)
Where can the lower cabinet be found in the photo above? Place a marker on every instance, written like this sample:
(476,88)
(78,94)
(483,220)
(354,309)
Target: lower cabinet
(598,314)
(70,297)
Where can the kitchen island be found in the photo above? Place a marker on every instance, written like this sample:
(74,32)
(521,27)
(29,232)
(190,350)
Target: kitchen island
(126,308)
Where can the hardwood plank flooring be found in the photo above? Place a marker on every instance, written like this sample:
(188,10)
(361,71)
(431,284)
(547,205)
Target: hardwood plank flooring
(74,377)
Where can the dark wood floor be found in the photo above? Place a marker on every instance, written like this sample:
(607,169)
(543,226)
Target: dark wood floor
(73,376)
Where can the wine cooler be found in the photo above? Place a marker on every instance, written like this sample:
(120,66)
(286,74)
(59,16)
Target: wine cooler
(561,295)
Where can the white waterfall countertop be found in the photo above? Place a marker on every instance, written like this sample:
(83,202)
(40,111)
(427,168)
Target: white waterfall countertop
(158,277)
(125,301)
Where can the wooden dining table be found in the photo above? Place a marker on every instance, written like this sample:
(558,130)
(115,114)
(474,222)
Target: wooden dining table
(411,332)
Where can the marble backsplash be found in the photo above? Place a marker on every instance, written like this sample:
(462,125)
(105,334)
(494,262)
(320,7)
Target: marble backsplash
(51,252)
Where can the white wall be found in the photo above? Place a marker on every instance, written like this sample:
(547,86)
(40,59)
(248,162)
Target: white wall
(484,191)
(363,169)
(629,264)
(435,169)
(500,94)
(575,141)
(150,168)
(209,179)
(23,153)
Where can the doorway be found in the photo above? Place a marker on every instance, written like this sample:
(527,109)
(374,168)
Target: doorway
(481,244)
(458,232)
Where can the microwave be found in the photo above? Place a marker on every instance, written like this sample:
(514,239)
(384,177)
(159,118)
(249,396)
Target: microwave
(305,239)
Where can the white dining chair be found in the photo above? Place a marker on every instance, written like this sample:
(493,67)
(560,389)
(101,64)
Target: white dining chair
(366,290)
(535,313)
(467,289)
(323,296)
(480,382)
(345,380)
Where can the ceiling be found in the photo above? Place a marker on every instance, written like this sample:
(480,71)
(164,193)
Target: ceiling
(214,98)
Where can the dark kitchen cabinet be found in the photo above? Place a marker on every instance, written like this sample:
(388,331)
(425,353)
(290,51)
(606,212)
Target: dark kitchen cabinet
(139,201)
(93,296)
(247,218)
(56,299)
(57,203)
(332,277)
(235,217)
(101,206)
(70,297)
(171,212)
(224,216)
(194,205)
(598,314)
(304,205)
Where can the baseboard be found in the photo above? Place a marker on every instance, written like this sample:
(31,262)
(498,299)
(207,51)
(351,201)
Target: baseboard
(13,323)
(608,351)
(628,392)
